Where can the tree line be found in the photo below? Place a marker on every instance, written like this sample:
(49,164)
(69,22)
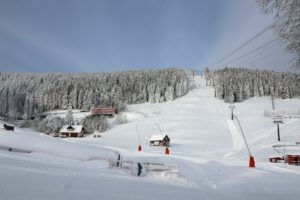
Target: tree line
(238,84)
(32,93)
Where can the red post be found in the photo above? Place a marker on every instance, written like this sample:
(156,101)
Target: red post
(167,152)
(251,162)
(140,148)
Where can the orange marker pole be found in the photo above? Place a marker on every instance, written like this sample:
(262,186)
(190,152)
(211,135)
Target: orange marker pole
(251,162)
(167,152)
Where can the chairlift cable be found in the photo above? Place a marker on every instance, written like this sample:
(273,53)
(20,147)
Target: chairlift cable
(248,53)
(247,42)
(260,56)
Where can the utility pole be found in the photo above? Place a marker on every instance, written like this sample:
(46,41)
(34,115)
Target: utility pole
(272,99)
(232,106)
(278,132)
(194,73)
(277,121)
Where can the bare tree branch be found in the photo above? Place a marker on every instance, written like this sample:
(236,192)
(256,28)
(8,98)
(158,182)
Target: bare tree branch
(289,27)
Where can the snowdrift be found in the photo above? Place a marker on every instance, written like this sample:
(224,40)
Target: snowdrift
(55,146)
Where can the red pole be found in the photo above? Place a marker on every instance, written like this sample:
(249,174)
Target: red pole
(139,148)
(251,159)
(251,162)
(167,152)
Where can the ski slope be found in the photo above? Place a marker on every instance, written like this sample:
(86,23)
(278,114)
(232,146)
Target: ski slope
(205,143)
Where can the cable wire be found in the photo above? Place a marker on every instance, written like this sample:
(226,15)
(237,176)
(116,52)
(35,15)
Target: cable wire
(261,57)
(258,54)
(248,53)
(247,42)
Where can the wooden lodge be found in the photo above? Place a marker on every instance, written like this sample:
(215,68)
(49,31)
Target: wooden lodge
(71,131)
(104,111)
(160,140)
(292,159)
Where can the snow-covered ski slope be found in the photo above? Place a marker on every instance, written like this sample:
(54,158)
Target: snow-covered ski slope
(205,143)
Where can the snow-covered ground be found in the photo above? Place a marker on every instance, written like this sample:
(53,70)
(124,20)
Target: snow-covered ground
(205,143)
(78,115)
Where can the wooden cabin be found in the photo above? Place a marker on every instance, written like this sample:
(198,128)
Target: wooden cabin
(104,111)
(292,159)
(160,140)
(8,127)
(71,131)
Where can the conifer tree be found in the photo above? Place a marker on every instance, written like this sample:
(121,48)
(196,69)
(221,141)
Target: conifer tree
(69,120)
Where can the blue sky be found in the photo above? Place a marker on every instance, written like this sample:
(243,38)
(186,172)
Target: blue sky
(113,35)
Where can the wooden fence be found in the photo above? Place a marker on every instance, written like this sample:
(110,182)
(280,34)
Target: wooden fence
(282,113)
(145,167)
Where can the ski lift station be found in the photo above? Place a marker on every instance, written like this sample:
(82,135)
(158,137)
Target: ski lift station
(160,140)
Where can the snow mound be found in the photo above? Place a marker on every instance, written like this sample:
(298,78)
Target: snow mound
(55,146)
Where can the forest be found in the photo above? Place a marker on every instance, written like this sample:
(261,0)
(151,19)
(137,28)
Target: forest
(238,84)
(33,93)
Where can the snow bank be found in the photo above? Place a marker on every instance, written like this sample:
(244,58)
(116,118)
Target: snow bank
(55,146)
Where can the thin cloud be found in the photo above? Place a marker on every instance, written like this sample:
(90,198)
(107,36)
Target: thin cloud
(39,42)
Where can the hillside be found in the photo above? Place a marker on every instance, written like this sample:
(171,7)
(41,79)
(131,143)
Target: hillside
(206,145)
(238,84)
(32,94)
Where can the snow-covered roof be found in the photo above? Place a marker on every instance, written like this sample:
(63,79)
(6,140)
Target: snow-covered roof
(76,128)
(157,137)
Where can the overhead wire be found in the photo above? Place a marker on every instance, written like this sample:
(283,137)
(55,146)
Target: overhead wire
(248,53)
(245,43)
(259,57)
(258,54)
(263,57)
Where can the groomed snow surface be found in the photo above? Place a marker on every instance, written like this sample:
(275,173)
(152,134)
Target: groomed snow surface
(206,145)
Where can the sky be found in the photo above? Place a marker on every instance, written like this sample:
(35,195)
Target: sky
(117,35)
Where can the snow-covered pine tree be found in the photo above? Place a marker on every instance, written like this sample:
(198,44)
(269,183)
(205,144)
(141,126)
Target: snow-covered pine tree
(35,93)
(240,84)
(69,120)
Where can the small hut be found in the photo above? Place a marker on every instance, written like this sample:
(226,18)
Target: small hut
(8,127)
(72,131)
(276,159)
(160,140)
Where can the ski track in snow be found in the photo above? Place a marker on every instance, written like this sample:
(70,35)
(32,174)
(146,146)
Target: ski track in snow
(237,140)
